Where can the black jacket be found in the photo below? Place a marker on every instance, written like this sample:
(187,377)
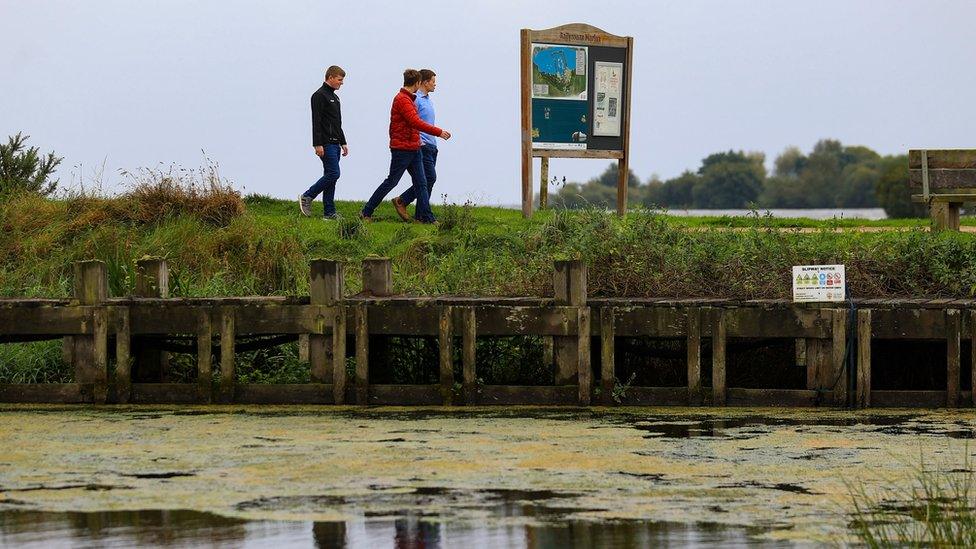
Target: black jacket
(326,118)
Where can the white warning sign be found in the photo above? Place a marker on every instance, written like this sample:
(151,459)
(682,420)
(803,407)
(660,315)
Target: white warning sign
(813,283)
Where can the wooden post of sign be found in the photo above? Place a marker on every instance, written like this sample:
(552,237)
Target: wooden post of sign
(526,72)
(623,165)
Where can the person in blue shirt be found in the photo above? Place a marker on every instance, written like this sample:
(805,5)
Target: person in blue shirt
(428,143)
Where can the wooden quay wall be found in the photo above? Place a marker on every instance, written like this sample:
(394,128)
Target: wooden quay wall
(834,340)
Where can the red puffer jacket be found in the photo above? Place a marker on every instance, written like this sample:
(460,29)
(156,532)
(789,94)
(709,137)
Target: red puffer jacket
(406,124)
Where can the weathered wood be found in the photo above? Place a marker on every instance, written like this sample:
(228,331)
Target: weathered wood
(693,344)
(378,276)
(339,354)
(97,374)
(623,168)
(608,373)
(469,335)
(227,372)
(569,284)
(285,393)
(863,398)
(362,354)
(954,197)
(152,278)
(623,173)
(777,323)
(404,395)
(972,357)
(204,355)
(578,34)
(123,361)
(544,184)
(494,395)
(525,83)
(718,357)
(165,393)
(585,368)
(60,393)
(652,396)
(820,366)
(666,321)
(326,282)
(54,321)
(908,399)
(908,323)
(771,397)
(953,159)
(839,374)
(90,282)
(953,365)
(577,153)
(284,319)
(303,347)
(944,178)
(445,347)
(945,215)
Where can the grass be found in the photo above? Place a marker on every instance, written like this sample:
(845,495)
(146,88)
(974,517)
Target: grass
(936,509)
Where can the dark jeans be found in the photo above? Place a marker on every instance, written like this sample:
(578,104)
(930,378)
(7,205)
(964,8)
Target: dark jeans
(411,162)
(327,183)
(429,153)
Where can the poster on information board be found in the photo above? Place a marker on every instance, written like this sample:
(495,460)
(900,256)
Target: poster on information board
(816,283)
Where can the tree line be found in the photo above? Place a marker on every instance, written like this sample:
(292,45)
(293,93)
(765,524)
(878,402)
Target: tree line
(832,175)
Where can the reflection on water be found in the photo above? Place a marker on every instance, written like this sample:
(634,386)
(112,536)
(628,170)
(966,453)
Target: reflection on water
(191,528)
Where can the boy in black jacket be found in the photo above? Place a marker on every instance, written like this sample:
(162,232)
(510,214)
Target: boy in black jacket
(328,141)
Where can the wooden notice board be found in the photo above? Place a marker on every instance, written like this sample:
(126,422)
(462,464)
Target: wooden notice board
(576,82)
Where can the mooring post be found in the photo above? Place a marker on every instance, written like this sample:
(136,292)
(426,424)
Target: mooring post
(839,371)
(204,355)
(569,283)
(469,336)
(326,280)
(227,373)
(123,362)
(152,280)
(718,357)
(863,399)
(90,353)
(608,374)
(445,346)
(953,344)
(694,357)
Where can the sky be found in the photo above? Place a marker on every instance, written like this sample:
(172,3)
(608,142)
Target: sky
(119,85)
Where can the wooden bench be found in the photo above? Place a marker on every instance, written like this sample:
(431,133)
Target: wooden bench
(947,178)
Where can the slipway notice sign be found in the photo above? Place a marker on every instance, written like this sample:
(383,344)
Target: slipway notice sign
(813,283)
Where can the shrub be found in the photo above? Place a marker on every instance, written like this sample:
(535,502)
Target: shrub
(24,169)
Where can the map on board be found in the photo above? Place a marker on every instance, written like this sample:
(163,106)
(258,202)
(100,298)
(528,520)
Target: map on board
(559,72)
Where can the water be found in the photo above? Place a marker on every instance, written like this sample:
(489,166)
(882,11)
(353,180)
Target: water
(809,213)
(234,476)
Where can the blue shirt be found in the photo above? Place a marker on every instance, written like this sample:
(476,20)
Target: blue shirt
(426,111)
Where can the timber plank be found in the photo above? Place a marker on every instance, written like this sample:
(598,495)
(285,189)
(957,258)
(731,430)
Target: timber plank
(567,395)
(908,399)
(54,393)
(296,393)
(771,397)
(165,393)
(405,395)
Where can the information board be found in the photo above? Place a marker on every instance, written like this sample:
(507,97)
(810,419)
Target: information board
(813,283)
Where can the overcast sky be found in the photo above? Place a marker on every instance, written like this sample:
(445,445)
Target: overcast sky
(132,84)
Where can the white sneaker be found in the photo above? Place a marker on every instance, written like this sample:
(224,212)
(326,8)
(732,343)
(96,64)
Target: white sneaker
(305,205)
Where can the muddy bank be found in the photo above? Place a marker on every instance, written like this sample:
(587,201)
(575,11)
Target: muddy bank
(780,473)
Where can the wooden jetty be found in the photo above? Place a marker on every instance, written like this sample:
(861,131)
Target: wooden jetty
(833,343)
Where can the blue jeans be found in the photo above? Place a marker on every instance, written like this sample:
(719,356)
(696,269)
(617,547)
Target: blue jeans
(429,153)
(327,183)
(411,162)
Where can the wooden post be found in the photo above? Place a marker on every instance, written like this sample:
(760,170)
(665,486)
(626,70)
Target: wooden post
(90,354)
(445,346)
(945,215)
(205,356)
(326,281)
(623,165)
(623,172)
(469,325)
(362,354)
(569,282)
(339,354)
(585,368)
(526,82)
(227,373)
(694,357)
(953,344)
(123,363)
(544,184)
(152,280)
(972,354)
(718,357)
(608,374)
(863,399)
(839,371)
(378,276)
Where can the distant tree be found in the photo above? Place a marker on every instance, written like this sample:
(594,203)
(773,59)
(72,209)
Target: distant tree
(24,169)
(892,189)
(789,163)
(857,185)
(673,193)
(782,191)
(731,179)
(599,192)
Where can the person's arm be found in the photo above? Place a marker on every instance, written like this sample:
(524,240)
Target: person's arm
(409,112)
(318,132)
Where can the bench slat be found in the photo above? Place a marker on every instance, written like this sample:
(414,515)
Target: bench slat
(951,159)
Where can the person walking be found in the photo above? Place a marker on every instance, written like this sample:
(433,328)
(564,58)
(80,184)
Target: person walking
(428,143)
(328,140)
(405,128)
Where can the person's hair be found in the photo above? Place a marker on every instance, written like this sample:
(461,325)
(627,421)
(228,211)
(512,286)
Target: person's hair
(410,77)
(426,75)
(334,70)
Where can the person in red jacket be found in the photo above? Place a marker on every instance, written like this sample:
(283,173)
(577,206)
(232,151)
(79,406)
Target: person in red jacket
(405,128)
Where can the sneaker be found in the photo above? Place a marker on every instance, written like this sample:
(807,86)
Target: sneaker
(401,209)
(305,205)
